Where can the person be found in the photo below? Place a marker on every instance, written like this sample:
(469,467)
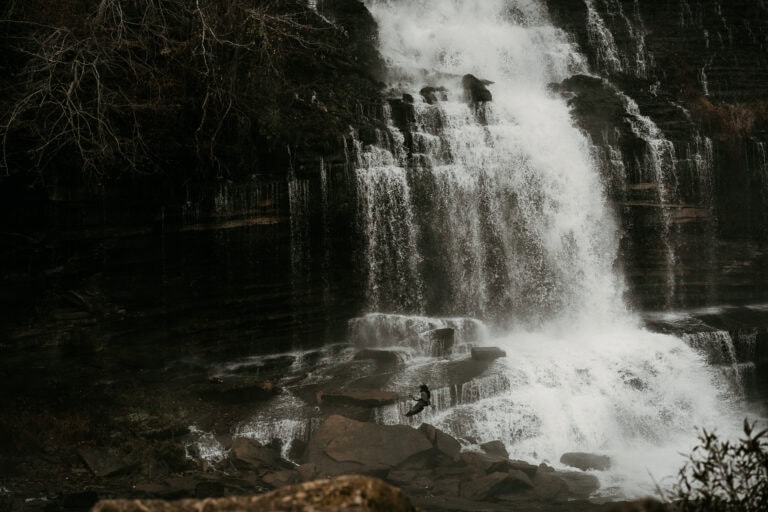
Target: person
(424,400)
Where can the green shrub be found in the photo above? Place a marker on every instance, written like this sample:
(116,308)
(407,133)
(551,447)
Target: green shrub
(724,475)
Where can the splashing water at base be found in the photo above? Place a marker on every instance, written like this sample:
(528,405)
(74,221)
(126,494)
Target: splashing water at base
(524,224)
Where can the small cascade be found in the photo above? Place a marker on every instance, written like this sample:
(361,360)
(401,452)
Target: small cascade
(444,399)
(389,229)
(721,352)
(286,421)
(659,168)
(629,54)
(204,446)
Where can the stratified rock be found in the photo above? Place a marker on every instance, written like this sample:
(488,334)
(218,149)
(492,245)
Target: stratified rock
(487,353)
(362,397)
(353,492)
(342,445)
(585,461)
(475,89)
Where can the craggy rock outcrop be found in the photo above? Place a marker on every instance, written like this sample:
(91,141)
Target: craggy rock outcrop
(352,493)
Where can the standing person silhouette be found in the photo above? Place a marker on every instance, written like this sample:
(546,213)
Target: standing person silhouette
(424,400)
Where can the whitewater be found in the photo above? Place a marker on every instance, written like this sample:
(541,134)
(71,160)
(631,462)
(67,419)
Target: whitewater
(522,237)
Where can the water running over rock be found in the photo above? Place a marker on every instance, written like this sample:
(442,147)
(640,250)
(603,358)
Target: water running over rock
(496,210)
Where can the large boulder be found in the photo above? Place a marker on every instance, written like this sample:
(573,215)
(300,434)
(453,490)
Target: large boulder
(342,445)
(351,492)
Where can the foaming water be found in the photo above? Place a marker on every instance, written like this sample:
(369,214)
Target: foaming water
(625,392)
(502,206)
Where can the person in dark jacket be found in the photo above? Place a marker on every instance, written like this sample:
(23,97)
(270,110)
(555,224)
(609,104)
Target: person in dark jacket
(424,400)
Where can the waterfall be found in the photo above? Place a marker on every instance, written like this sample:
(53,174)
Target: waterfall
(496,210)
(610,58)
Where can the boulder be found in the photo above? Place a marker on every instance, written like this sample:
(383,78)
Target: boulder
(252,453)
(495,448)
(282,477)
(365,398)
(586,461)
(494,484)
(580,485)
(480,462)
(342,445)
(351,492)
(475,89)
(441,441)
(506,466)
(487,353)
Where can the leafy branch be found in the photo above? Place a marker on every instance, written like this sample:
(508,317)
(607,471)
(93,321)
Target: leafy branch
(723,475)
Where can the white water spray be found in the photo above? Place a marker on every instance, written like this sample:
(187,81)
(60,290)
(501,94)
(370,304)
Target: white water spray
(517,210)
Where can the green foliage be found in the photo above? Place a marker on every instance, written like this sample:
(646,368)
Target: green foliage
(723,475)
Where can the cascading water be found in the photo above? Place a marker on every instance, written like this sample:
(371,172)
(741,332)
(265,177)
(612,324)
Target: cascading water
(497,211)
